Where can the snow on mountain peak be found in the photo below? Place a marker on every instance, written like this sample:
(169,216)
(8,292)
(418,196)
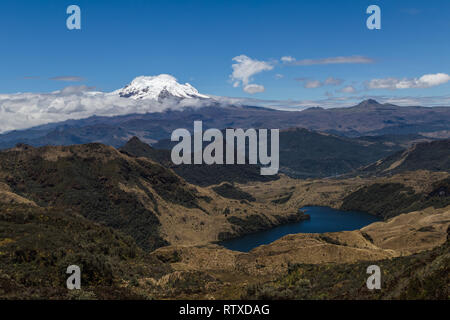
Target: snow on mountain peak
(159,88)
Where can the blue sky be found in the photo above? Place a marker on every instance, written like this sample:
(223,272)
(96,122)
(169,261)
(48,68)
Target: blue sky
(195,41)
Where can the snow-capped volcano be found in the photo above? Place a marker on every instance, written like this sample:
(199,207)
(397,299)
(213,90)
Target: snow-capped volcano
(159,88)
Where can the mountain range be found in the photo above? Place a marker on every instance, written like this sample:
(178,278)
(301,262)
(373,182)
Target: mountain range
(140,231)
(368,118)
(314,143)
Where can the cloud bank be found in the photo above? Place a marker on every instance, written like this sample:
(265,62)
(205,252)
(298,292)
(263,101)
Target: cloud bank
(348,89)
(68,79)
(25,110)
(312,84)
(254,88)
(244,68)
(425,81)
(331,60)
(339,102)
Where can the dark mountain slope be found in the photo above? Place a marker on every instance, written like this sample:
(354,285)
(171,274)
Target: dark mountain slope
(309,154)
(91,179)
(136,148)
(203,174)
(432,156)
(401,140)
(390,199)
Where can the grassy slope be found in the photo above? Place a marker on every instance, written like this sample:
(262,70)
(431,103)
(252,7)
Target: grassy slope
(425,275)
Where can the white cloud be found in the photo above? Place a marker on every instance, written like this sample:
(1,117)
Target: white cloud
(68,79)
(330,81)
(287,59)
(312,84)
(425,81)
(76,89)
(330,60)
(254,88)
(431,80)
(348,89)
(243,71)
(246,67)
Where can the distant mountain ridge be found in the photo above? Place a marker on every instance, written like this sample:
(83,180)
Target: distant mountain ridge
(369,118)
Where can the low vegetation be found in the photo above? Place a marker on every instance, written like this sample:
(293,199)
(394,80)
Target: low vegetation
(38,244)
(425,275)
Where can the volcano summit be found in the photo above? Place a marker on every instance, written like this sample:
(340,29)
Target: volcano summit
(159,87)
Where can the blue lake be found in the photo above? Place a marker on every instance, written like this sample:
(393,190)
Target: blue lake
(323,219)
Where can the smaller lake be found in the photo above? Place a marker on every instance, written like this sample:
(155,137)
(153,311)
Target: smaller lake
(323,219)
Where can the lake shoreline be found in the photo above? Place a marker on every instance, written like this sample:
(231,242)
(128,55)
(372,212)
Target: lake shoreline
(321,220)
